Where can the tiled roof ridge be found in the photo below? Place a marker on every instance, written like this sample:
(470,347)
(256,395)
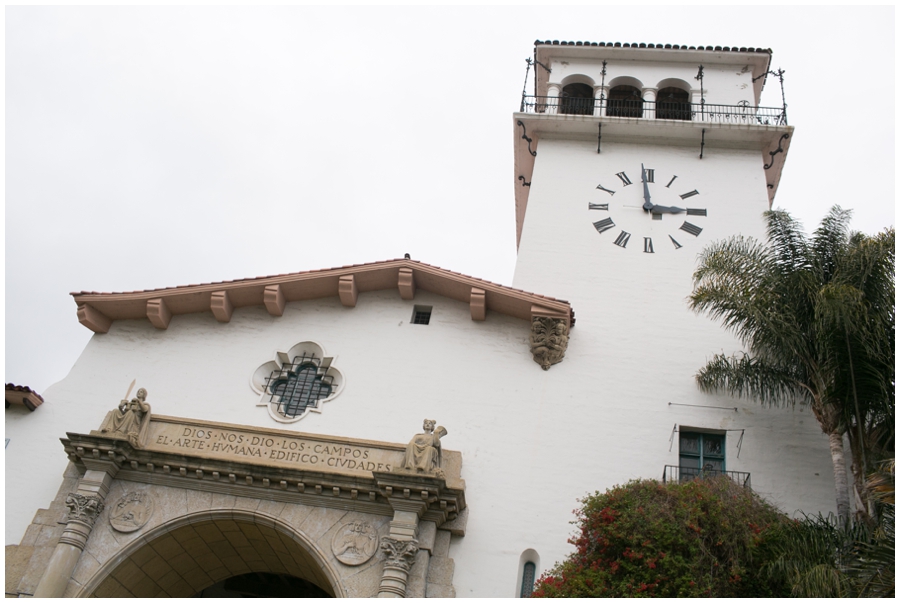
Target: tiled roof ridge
(304,272)
(657,46)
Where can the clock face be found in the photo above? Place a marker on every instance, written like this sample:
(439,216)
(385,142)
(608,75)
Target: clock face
(648,211)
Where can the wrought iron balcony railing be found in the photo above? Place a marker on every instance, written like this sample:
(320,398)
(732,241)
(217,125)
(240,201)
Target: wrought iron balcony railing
(742,113)
(672,473)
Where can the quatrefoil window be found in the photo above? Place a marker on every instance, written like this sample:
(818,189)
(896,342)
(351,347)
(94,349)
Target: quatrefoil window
(297,382)
(299,386)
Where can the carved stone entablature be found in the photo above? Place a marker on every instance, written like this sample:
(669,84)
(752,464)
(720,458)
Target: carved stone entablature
(549,340)
(400,554)
(278,465)
(84,509)
(130,420)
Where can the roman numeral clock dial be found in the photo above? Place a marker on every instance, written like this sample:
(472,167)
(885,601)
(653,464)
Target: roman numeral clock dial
(642,216)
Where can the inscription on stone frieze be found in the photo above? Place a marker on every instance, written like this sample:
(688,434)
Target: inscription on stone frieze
(300,452)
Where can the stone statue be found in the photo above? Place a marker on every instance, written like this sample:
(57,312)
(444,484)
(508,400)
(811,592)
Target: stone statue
(549,340)
(131,419)
(423,453)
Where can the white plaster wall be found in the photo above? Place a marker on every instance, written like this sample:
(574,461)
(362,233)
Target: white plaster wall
(532,441)
(722,84)
(636,346)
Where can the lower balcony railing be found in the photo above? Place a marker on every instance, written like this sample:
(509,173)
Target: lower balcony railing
(672,473)
(742,113)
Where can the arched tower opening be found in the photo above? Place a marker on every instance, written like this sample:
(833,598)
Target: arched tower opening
(577,99)
(673,103)
(625,101)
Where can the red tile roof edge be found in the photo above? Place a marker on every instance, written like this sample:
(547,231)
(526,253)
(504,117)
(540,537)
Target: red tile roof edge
(366,265)
(656,46)
(12,387)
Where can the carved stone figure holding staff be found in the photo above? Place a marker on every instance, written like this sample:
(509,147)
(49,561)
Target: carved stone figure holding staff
(131,418)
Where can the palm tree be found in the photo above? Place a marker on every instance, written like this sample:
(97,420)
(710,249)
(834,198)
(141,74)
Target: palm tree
(816,315)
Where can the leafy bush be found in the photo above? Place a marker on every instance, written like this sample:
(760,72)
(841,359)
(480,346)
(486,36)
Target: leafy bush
(706,537)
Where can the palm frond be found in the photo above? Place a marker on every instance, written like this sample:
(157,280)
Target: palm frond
(746,376)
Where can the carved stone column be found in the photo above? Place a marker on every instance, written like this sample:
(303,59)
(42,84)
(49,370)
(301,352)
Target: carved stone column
(401,555)
(400,546)
(85,505)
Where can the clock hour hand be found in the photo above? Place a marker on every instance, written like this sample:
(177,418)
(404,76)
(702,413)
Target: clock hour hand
(648,204)
(662,209)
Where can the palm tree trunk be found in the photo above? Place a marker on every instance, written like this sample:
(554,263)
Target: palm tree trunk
(841,489)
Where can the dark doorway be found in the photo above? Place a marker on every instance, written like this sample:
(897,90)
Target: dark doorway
(261,584)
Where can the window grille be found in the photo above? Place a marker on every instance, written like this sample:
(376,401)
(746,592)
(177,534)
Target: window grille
(421,315)
(299,385)
(527,579)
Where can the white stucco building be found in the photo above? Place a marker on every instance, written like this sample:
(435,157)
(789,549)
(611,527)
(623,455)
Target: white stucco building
(282,407)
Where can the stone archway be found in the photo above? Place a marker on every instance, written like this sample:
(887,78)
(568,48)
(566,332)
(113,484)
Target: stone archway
(185,556)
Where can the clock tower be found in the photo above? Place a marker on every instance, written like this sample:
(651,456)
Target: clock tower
(629,160)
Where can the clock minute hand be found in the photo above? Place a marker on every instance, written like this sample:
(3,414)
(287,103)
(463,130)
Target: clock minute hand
(663,209)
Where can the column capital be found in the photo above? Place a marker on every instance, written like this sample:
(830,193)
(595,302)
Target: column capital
(84,509)
(400,554)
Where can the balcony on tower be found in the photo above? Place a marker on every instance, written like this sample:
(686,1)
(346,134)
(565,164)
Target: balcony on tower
(652,81)
(689,96)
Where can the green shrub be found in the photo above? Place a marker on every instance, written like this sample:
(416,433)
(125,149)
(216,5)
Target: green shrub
(706,537)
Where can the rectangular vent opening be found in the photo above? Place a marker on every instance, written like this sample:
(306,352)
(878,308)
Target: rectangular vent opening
(421,315)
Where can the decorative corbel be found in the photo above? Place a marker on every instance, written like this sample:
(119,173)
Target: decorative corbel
(158,313)
(406,282)
(478,304)
(221,306)
(348,291)
(273,298)
(549,336)
(93,319)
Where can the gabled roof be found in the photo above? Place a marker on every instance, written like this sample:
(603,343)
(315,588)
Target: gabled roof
(96,310)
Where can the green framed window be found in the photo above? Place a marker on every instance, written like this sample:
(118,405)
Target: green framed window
(700,453)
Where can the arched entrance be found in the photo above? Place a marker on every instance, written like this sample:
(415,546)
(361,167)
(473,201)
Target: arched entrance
(233,550)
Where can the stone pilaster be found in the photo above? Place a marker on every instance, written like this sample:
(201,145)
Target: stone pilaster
(84,505)
(401,546)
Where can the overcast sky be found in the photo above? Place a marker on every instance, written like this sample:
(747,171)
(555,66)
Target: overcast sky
(153,147)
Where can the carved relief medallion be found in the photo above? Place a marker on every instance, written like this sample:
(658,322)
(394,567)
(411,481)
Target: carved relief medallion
(131,512)
(355,543)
